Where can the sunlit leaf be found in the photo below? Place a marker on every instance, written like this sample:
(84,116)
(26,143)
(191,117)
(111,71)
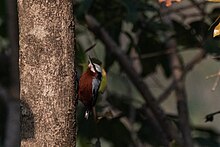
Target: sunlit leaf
(216,30)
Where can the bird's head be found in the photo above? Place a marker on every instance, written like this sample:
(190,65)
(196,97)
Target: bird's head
(95,65)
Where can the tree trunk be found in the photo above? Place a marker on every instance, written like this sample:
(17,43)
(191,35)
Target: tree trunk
(46,63)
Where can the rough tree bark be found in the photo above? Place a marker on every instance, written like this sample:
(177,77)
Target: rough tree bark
(46,63)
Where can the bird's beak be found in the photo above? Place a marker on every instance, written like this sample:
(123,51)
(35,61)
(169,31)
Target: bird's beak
(90,61)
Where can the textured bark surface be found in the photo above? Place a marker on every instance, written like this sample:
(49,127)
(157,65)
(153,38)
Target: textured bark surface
(46,63)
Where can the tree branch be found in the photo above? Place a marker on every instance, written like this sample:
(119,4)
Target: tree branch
(181,97)
(189,66)
(124,62)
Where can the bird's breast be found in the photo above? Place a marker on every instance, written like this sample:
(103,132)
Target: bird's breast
(85,89)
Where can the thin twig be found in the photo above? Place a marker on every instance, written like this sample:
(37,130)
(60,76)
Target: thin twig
(91,47)
(210,117)
(216,81)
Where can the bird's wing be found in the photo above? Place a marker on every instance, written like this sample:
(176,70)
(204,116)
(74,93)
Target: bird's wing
(95,87)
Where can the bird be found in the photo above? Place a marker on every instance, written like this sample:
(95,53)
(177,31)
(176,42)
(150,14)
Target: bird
(89,84)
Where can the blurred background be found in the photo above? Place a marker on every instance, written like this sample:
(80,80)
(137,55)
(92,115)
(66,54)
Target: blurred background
(141,31)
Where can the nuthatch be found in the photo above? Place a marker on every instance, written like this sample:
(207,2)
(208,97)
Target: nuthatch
(89,84)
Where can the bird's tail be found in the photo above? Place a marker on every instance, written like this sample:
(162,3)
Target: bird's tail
(87,114)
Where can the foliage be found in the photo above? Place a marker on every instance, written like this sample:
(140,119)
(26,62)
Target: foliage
(138,27)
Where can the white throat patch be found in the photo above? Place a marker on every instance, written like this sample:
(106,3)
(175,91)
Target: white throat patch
(97,67)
